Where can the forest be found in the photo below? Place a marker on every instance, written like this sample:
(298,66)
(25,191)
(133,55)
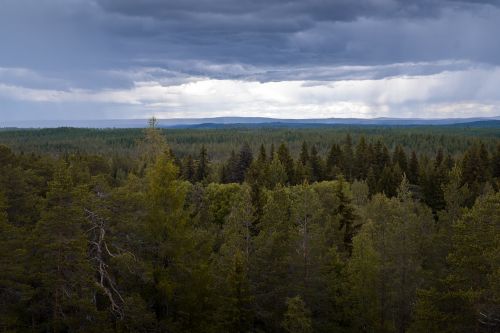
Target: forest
(334,229)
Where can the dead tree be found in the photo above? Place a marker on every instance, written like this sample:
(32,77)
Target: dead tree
(99,253)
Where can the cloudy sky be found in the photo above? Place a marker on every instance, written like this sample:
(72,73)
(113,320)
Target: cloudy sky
(113,59)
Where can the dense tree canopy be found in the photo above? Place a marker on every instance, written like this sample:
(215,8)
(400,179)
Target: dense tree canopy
(338,230)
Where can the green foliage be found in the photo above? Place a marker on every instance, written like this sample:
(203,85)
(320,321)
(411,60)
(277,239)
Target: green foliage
(339,229)
(297,316)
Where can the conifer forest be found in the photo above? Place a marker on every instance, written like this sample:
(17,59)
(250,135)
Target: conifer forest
(293,230)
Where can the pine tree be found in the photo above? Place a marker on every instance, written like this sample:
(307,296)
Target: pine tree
(174,251)
(63,298)
(363,271)
(306,212)
(467,298)
(475,263)
(394,238)
(236,305)
(276,173)
(236,308)
(14,287)
(272,261)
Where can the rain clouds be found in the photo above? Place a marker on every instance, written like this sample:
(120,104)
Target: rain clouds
(88,59)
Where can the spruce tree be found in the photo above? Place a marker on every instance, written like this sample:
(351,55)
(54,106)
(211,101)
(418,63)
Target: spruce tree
(347,158)
(245,158)
(399,158)
(346,214)
(203,165)
(287,162)
(362,159)
(188,168)
(334,162)
(304,154)
(316,165)
(413,169)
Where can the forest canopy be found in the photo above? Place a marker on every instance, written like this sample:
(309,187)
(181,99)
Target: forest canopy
(340,229)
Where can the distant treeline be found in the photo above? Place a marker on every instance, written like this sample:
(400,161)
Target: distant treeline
(451,139)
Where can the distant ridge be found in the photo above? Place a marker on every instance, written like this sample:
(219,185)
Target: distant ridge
(249,122)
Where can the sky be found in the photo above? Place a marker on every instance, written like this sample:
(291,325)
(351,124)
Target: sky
(131,59)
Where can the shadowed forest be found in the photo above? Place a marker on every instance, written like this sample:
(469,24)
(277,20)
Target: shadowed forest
(299,230)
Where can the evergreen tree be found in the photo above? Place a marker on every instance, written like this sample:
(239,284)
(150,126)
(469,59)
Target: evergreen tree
(262,158)
(389,180)
(362,162)
(439,158)
(306,212)
(203,165)
(316,165)
(399,158)
(347,158)
(363,271)
(287,162)
(413,169)
(236,309)
(235,255)
(304,154)
(14,287)
(334,161)
(175,252)
(273,247)
(230,169)
(297,317)
(475,265)
(467,299)
(371,181)
(394,239)
(495,161)
(347,216)
(188,168)
(63,299)
(430,182)
(245,159)
(276,173)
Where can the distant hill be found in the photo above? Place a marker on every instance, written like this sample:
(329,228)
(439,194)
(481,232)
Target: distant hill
(218,122)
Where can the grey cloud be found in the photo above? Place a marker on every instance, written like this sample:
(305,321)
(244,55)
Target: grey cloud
(74,37)
(99,45)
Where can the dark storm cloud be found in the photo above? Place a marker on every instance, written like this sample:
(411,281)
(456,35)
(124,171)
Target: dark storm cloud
(308,32)
(74,37)
(128,54)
